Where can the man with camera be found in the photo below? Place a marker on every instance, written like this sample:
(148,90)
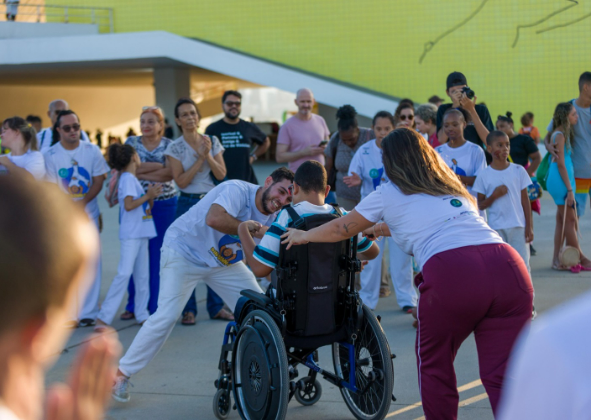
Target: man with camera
(479,123)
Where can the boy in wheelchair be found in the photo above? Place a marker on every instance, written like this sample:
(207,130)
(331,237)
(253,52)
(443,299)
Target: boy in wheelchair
(314,304)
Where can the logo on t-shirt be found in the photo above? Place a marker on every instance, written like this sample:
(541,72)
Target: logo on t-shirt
(457,170)
(376,177)
(147,212)
(456,203)
(76,180)
(229,250)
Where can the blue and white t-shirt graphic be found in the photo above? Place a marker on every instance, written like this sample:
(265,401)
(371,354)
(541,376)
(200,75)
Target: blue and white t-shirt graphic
(376,176)
(229,250)
(76,180)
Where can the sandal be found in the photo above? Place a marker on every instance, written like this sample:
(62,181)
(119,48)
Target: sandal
(576,269)
(224,315)
(127,315)
(188,318)
(558,267)
(385,292)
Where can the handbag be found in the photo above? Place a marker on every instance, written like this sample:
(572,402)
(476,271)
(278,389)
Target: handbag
(542,172)
(569,256)
(331,177)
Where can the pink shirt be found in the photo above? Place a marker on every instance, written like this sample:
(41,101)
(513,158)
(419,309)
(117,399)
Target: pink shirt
(298,135)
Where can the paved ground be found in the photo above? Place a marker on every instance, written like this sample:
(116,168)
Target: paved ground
(178,384)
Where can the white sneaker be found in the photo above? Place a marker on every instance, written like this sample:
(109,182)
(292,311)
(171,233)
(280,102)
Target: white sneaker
(120,391)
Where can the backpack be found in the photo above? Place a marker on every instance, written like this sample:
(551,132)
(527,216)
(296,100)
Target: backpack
(112,191)
(312,280)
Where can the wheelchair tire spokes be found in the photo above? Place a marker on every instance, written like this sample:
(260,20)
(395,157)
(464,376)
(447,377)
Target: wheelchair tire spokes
(367,365)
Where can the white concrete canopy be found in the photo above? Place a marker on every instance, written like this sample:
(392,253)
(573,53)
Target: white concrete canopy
(163,49)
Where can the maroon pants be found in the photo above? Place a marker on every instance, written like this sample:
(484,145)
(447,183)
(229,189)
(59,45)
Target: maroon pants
(484,289)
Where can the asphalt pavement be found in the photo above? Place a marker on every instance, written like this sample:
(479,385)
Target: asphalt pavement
(178,383)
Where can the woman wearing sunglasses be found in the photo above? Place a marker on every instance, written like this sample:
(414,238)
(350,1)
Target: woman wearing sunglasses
(404,116)
(150,147)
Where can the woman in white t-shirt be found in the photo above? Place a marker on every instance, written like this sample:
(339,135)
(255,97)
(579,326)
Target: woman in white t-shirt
(367,170)
(196,160)
(470,280)
(24,158)
(135,231)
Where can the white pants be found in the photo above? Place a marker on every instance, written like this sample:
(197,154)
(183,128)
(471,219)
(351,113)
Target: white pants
(516,238)
(86,303)
(400,271)
(134,260)
(178,278)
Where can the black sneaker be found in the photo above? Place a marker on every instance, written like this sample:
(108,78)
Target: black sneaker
(532,250)
(87,322)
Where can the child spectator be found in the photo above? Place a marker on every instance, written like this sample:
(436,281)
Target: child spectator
(527,121)
(502,189)
(136,229)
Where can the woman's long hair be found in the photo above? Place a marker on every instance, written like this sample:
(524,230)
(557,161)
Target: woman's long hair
(416,168)
(560,119)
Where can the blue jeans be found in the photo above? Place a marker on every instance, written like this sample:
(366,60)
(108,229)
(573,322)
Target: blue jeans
(214,302)
(163,214)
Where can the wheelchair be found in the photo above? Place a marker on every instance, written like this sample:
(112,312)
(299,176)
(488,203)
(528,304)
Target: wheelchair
(314,304)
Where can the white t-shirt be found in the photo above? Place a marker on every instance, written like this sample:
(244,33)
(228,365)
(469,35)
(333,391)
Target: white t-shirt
(45,137)
(548,374)
(32,161)
(267,252)
(181,151)
(367,163)
(466,160)
(137,223)
(423,225)
(198,243)
(73,170)
(506,212)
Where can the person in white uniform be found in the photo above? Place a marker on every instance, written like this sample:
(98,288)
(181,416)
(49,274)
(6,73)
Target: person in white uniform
(465,158)
(24,159)
(45,136)
(135,230)
(202,245)
(79,169)
(367,170)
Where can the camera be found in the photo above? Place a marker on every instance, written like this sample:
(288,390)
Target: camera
(469,92)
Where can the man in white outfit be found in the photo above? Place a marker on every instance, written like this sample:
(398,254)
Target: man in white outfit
(202,245)
(79,169)
(45,136)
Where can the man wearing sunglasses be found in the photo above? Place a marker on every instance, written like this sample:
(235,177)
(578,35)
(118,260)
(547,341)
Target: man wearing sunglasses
(79,169)
(244,141)
(45,136)
(480,123)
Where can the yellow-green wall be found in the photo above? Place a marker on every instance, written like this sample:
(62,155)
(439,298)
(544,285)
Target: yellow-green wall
(377,44)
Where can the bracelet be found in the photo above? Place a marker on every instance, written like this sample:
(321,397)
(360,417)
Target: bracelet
(381,230)
(375,235)
(569,191)
(254,157)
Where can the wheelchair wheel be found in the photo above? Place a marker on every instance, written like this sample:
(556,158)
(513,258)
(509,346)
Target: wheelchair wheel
(222,404)
(260,369)
(308,392)
(374,373)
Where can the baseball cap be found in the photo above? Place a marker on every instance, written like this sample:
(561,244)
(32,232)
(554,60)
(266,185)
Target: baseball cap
(456,79)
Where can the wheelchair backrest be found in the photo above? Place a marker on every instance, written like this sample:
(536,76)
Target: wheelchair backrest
(312,280)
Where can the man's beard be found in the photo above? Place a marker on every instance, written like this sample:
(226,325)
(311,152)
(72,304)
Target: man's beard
(230,116)
(266,200)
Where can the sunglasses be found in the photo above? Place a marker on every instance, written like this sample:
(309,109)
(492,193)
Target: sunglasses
(67,128)
(231,103)
(404,117)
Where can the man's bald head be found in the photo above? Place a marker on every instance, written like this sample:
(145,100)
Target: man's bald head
(55,107)
(305,102)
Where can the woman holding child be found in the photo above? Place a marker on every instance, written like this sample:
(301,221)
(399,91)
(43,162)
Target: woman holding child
(470,281)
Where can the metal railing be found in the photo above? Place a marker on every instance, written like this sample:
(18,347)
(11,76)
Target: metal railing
(41,12)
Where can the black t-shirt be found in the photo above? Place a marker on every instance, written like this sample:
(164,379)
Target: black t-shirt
(470,132)
(521,147)
(238,140)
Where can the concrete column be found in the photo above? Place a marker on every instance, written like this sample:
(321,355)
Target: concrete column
(170,84)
